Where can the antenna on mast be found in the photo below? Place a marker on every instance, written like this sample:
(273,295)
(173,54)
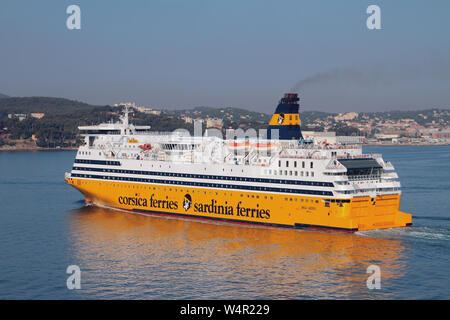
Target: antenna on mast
(125,116)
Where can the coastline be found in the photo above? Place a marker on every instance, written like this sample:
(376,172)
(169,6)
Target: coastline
(9,148)
(405,144)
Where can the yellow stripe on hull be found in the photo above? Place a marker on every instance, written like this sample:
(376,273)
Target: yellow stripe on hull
(296,211)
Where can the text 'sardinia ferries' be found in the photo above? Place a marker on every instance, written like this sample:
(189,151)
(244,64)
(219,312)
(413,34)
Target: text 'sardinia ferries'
(283,181)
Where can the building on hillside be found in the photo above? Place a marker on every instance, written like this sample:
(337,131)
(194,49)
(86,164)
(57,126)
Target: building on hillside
(441,134)
(387,137)
(149,111)
(37,115)
(187,119)
(350,139)
(126,104)
(214,123)
(20,116)
(331,138)
(346,116)
(138,108)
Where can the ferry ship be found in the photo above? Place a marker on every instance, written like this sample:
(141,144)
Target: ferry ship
(280,179)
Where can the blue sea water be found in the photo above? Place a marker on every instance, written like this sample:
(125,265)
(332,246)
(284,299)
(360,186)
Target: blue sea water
(45,227)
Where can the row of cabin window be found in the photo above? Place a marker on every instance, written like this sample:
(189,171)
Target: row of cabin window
(295,164)
(85,152)
(369,190)
(291,173)
(210,185)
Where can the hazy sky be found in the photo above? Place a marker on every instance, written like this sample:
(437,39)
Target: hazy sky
(246,53)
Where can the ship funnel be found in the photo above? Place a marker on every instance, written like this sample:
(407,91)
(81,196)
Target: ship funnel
(286,119)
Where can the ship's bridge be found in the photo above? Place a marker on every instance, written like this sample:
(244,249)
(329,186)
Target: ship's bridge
(122,128)
(113,128)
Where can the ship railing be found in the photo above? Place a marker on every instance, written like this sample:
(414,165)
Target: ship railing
(375,155)
(388,166)
(364,177)
(333,167)
(319,157)
(302,157)
(249,157)
(228,157)
(156,133)
(389,176)
(358,156)
(334,147)
(329,146)
(274,157)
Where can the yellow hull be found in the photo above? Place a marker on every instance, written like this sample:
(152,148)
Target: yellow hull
(357,214)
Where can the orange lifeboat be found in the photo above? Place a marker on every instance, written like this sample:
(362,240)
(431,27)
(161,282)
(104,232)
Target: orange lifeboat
(267,146)
(263,145)
(238,144)
(146,146)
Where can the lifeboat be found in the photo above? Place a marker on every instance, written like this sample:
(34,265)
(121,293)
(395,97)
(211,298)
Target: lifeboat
(238,145)
(264,145)
(146,146)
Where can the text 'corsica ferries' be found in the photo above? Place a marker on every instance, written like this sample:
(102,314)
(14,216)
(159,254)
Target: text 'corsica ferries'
(283,180)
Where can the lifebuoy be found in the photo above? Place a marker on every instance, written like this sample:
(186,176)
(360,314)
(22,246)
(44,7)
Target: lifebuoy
(146,146)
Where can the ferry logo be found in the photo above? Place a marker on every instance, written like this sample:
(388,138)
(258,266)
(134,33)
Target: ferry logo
(281,118)
(187,202)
